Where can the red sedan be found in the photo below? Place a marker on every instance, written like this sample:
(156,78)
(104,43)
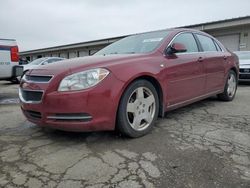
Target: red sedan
(131,82)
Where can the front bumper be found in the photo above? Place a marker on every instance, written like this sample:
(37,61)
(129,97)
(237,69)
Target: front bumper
(92,109)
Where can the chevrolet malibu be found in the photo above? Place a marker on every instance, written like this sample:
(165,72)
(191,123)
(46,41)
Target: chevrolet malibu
(128,84)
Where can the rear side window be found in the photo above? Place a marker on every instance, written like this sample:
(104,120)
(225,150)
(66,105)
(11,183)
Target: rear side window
(188,40)
(206,43)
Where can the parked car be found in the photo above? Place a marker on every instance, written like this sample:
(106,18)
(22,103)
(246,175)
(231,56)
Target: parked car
(9,58)
(129,83)
(41,61)
(23,61)
(244,58)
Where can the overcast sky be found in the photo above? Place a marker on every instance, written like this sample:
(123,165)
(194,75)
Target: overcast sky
(45,23)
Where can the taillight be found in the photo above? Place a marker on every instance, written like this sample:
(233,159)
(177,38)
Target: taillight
(14,54)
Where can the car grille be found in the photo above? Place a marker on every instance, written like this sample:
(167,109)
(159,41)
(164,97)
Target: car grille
(245,70)
(33,114)
(37,78)
(30,96)
(244,76)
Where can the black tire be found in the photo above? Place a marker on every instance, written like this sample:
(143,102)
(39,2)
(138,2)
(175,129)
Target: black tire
(225,96)
(15,81)
(124,125)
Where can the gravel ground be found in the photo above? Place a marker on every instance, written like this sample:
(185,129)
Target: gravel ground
(206,144)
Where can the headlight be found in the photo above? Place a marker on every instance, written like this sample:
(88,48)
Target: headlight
(83,80)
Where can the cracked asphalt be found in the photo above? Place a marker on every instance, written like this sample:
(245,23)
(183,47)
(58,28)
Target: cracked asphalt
(206,144)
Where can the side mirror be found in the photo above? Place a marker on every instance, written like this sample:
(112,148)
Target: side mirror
(175,48)
(45,63)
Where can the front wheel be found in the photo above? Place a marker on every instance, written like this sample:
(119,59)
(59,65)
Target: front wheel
(230,87)
(138,109)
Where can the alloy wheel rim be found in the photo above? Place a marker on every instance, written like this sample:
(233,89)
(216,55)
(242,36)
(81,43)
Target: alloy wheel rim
(231,88)
(140,109)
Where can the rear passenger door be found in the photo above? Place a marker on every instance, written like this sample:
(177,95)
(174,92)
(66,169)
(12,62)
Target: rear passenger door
(214,63)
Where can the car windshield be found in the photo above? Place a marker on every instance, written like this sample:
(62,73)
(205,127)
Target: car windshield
(135,44)
(37,61)
(243,55)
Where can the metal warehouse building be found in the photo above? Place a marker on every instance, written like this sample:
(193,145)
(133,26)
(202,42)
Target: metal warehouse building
(233,33)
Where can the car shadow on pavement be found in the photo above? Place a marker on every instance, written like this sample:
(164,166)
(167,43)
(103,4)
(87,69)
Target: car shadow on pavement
(114,135)
(59,135)
(9,84)
(244,84)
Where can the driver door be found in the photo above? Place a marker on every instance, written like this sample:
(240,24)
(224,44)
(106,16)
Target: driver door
(185,75)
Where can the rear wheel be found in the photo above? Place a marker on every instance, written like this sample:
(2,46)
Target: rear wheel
(138,109)
(230,87)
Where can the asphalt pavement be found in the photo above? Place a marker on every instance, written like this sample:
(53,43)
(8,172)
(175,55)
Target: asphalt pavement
(206,144)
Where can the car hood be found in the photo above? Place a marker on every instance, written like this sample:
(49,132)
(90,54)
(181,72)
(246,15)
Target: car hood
(83,63)
(29,66)
(245,63)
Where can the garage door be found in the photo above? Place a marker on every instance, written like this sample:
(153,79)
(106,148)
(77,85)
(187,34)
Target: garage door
(83,53)
(64,55)
(231,42)
(72,54)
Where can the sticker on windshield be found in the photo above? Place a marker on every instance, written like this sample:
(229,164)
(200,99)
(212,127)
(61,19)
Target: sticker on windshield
(152,40)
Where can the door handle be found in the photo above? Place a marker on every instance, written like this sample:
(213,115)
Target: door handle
(225,57)
(200,59)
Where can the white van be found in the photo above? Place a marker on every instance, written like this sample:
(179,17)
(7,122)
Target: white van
(9,60)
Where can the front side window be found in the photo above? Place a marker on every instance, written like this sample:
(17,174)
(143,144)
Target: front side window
(217,46)
(207,43)
(135,44)
(187,39)
(52,60)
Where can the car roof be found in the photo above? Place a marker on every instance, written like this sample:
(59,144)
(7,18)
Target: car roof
(178,30)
